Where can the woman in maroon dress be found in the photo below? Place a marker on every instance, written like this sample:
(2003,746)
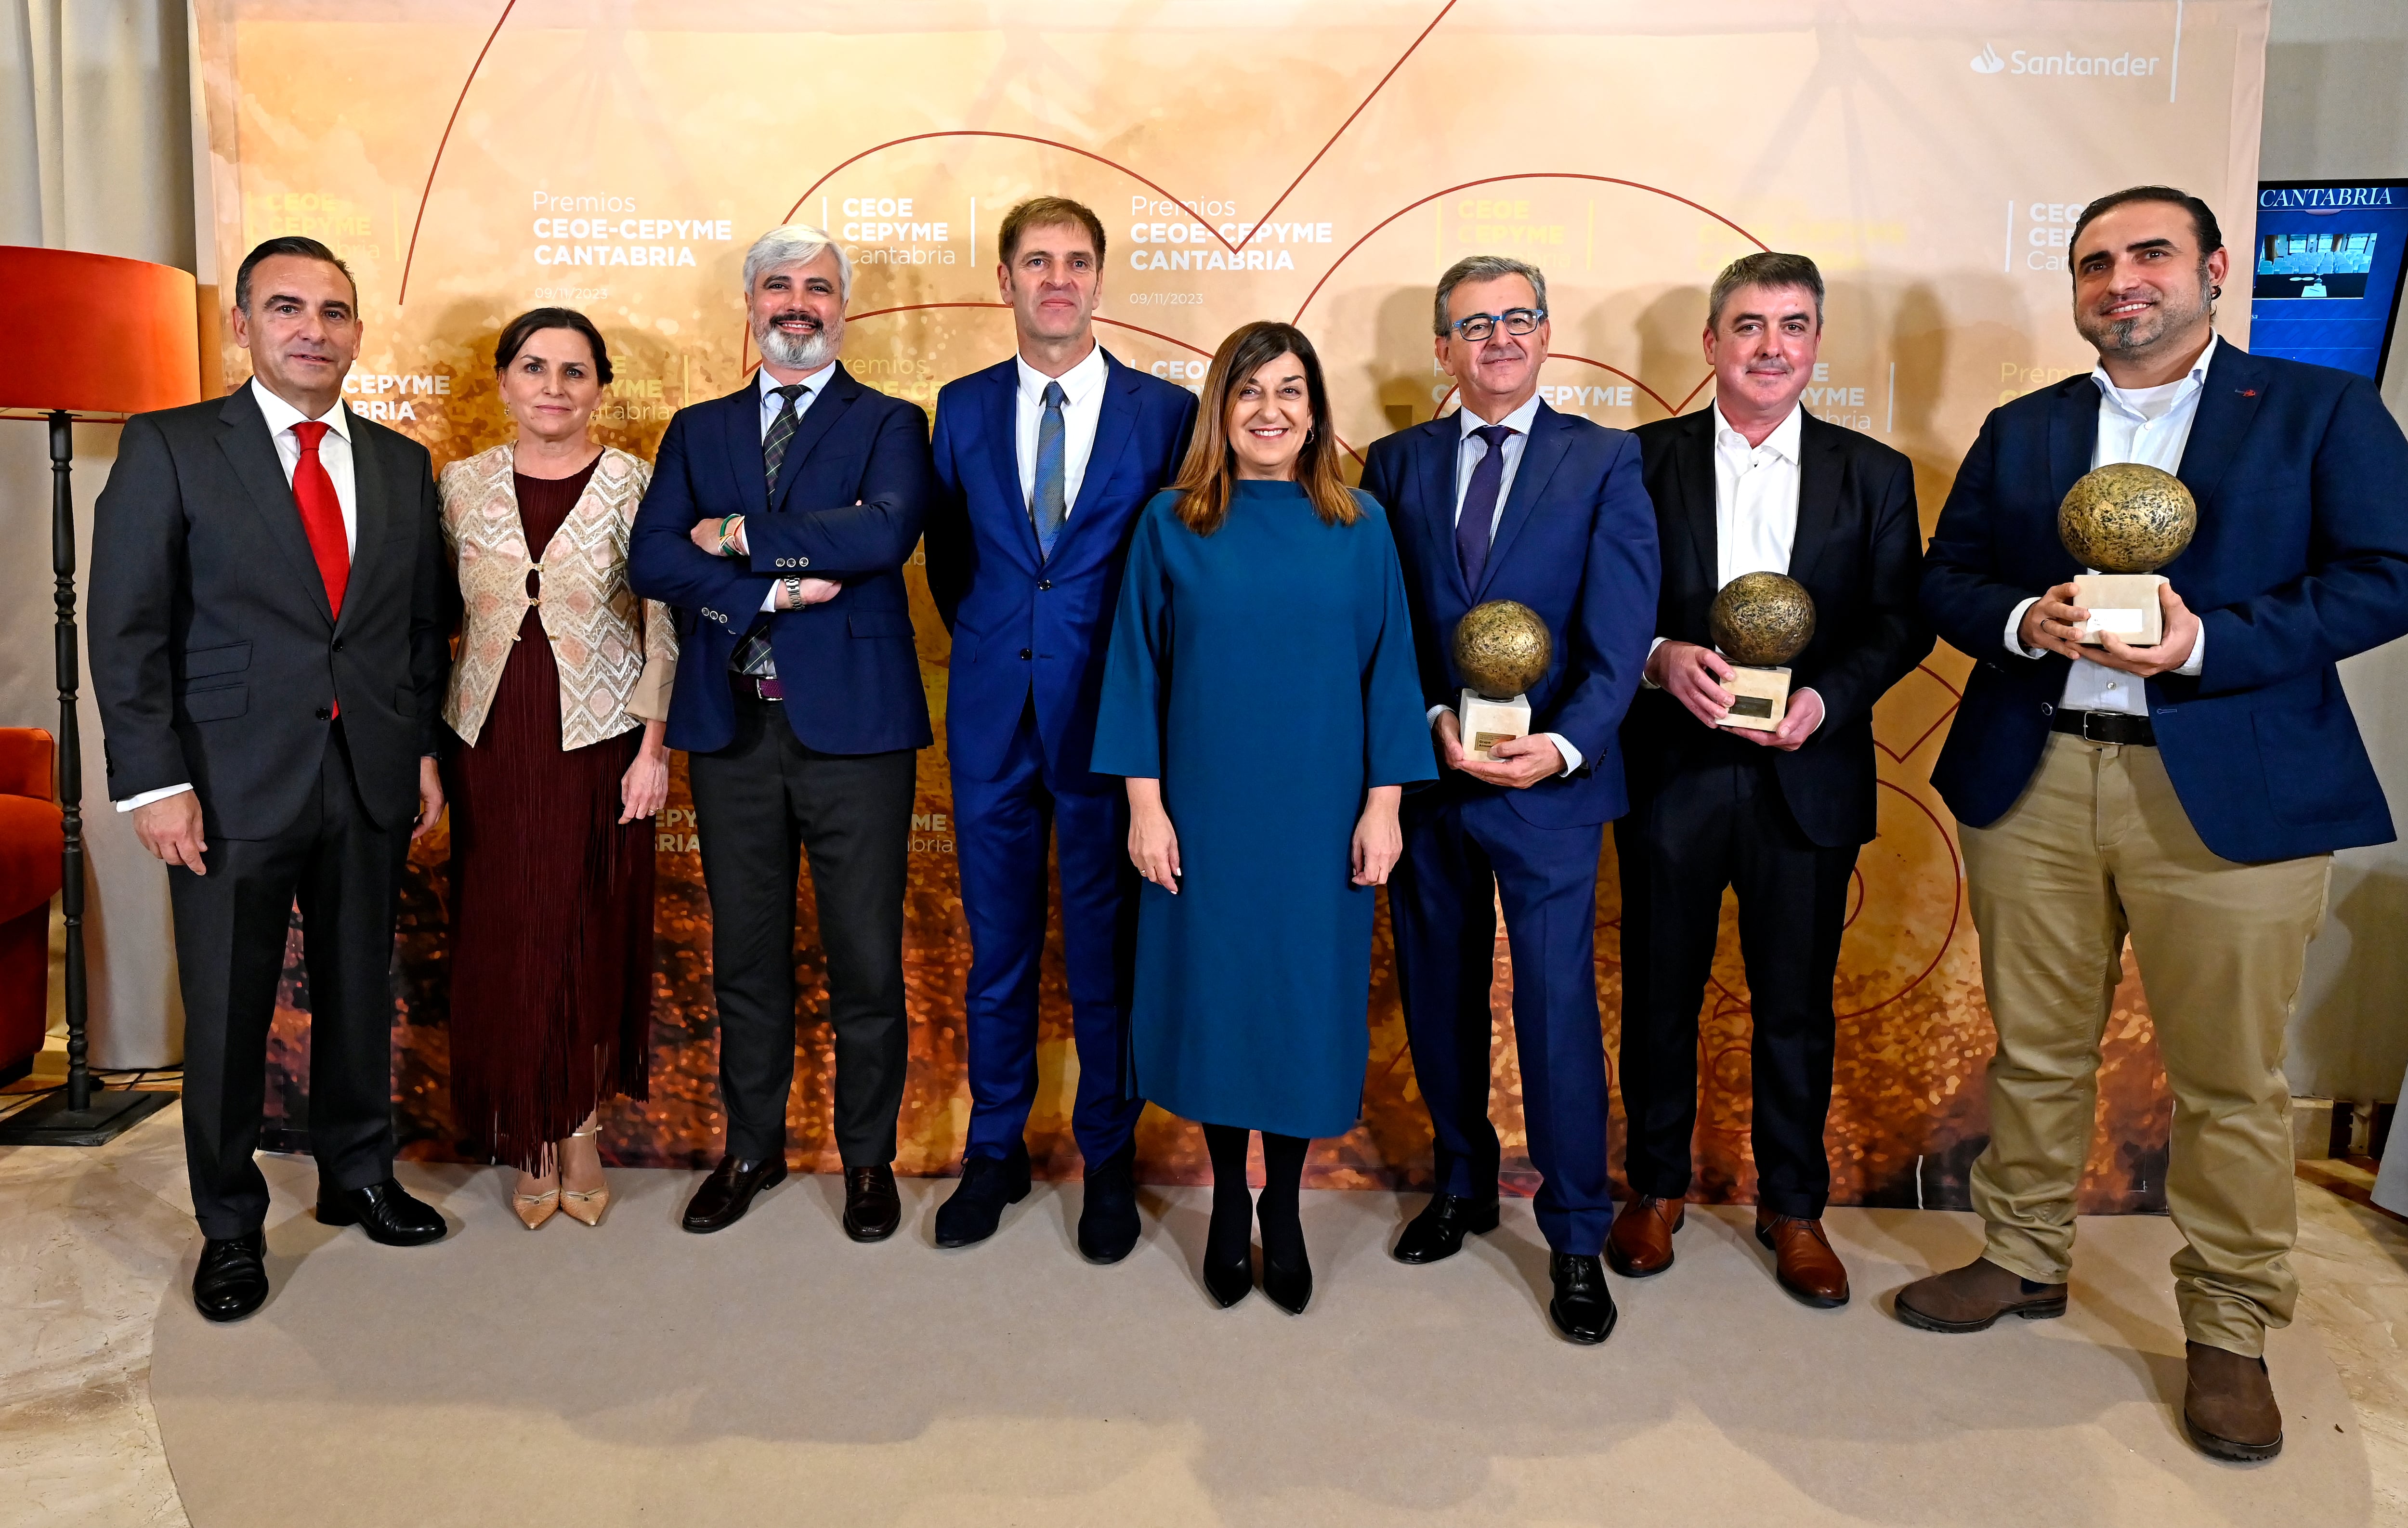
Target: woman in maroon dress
(558,697)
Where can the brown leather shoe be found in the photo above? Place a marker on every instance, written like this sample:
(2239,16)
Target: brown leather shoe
(1641,1241)
(1970,1298)
(872,1208)
(1803,1261)
(2229,1406)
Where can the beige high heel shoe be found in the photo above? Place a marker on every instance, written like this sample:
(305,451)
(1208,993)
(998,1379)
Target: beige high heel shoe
(586,1207)
(536,1209)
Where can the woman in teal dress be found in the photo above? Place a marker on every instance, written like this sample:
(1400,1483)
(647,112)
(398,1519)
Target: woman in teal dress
(1261,699)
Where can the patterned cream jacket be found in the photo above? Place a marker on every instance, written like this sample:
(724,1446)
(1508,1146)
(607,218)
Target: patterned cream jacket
(617,654)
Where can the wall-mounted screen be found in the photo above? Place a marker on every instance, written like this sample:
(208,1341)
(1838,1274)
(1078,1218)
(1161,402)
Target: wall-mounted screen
(2325,271)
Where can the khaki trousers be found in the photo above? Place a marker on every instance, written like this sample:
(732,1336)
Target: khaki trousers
(2098,847)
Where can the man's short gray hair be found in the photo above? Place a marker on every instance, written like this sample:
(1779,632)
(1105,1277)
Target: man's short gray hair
(1484,268)
(795,244)
(1768,268)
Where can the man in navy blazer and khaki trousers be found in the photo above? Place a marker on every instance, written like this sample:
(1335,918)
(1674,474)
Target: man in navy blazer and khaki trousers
(778,524)
(1510,500)
(2189,795)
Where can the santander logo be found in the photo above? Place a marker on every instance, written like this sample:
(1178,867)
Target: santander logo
(1988,60)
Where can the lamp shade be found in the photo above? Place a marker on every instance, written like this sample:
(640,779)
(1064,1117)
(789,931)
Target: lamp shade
(95,334)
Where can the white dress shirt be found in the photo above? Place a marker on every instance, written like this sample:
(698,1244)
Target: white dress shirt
(1082,392)
(1756,498)
(1756,502)
(335,455)
(771,406)
(2150,425)
(1469,451)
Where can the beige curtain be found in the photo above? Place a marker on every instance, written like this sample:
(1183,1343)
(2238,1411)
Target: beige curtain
(97,153)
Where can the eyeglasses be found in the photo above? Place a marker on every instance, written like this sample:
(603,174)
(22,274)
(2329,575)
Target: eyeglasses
(1476,327)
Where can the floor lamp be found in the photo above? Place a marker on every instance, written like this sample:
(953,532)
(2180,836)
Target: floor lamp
(90,339)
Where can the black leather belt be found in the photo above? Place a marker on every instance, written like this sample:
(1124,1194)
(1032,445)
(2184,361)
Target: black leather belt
(2117,727)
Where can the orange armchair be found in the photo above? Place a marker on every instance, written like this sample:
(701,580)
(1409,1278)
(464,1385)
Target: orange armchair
(30,840)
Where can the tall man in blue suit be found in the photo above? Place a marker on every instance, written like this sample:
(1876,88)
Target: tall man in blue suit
(1509,500)
(2188,795)
(778,524)
(1043,462)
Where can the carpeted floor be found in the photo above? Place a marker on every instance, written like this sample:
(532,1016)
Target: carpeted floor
(777,1373)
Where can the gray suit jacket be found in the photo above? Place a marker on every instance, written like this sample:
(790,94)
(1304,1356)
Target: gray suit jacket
(215,657)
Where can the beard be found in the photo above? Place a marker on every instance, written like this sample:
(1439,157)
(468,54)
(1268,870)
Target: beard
(2173,313)
(798,353)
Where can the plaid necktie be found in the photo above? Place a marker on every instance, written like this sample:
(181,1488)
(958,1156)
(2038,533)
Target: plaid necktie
(1047,507)
(753,657)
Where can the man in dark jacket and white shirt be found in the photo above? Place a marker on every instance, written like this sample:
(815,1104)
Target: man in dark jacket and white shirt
(269,654)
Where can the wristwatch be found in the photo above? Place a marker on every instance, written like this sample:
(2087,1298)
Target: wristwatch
(793,590)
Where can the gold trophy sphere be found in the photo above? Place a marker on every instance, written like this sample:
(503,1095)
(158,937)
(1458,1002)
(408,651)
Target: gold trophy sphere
(2127,518)
(1762,619)
(1502,648)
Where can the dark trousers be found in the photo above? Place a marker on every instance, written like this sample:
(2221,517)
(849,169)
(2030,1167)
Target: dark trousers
(230,929)
(999,834)
(1715,823)
(761,804)
(1462,857)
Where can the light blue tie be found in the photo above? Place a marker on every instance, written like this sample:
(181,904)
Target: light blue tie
(1047,510)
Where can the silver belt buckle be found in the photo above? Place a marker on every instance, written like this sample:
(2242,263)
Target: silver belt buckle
(2086,736)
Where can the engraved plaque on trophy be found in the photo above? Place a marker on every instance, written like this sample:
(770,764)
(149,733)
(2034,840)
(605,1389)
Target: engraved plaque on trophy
(1759,621)
(1502,648)
(2127,520)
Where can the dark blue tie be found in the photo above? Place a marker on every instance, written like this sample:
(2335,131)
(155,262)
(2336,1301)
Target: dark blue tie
(1474,523)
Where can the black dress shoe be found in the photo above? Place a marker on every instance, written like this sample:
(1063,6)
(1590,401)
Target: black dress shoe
(872,1208)
(729,1190)
(975,1208)
(232,1280)
(1583,1309)
(385,1211)
(1439,1229)
(1108,1222)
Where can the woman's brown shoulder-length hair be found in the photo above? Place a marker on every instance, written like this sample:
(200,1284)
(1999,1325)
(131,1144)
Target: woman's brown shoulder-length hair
(1211,464)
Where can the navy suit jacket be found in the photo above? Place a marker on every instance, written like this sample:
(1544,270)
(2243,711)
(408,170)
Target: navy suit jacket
(1024,626)
(1577,544)
(1858,549)
(851,493)
(2300,560)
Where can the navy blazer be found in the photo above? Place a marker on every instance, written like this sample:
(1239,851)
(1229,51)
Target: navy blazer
(1858,549)
(2300,560)
(1577,544)
(1027,626)
(851,493)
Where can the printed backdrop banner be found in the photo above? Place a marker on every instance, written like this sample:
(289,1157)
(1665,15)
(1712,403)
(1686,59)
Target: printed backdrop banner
(1317,161)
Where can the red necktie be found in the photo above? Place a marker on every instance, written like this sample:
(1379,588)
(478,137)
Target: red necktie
(322,513)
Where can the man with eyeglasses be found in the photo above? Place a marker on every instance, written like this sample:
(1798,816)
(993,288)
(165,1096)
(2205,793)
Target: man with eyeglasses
(1509,500)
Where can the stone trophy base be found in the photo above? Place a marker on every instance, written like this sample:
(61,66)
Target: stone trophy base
(1485,724)
(2123,602)
(1759,699)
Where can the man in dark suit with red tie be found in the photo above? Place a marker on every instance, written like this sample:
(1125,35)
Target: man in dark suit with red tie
(778,524)
(268,651)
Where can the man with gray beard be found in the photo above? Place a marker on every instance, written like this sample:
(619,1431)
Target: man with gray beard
(778,524)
